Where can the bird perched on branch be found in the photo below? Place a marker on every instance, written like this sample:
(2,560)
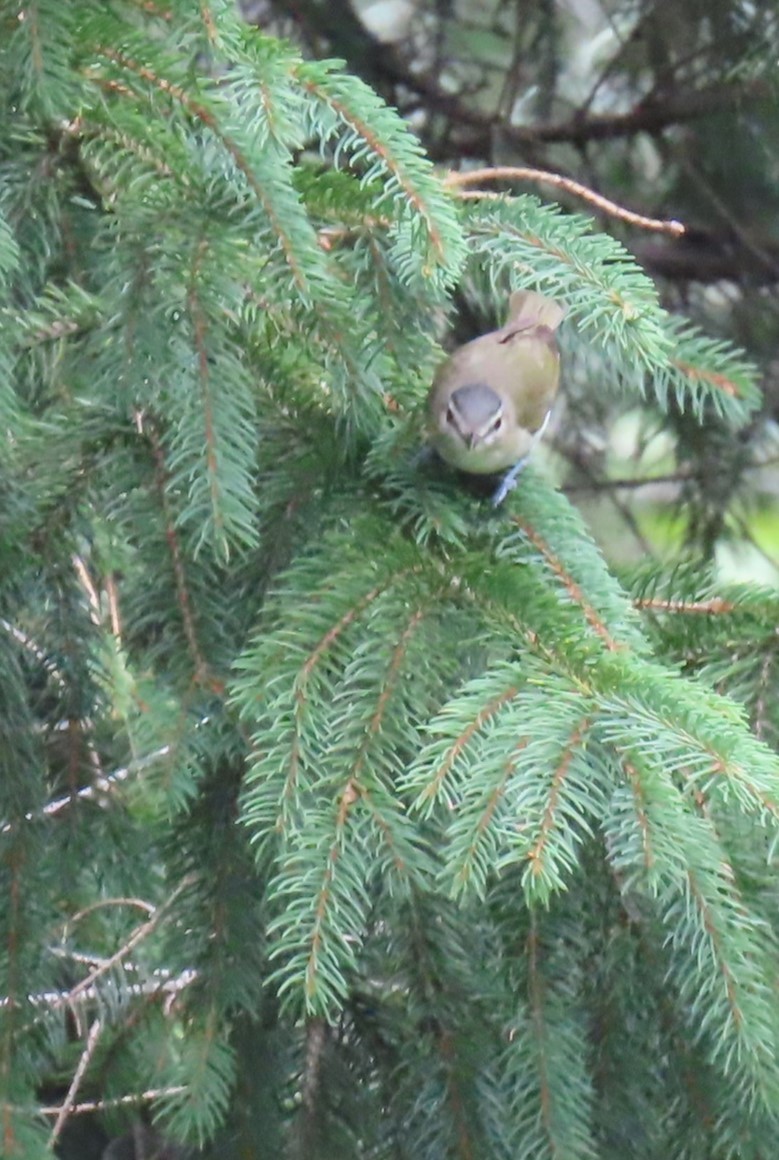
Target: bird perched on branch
(491,400)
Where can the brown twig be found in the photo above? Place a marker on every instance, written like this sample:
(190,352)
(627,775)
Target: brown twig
(139,934)
(95,1031)
(101,904)
(459,178)
(115,1102)
(712,607)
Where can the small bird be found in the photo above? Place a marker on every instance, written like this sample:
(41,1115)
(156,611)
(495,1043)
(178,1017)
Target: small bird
(491,400)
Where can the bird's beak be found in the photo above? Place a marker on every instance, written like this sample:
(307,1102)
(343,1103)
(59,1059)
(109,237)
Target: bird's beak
(471,440)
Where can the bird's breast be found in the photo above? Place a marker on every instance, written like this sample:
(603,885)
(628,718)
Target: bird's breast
(484,457)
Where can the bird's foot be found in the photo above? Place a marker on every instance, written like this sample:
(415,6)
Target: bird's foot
(507,483)
(423,457)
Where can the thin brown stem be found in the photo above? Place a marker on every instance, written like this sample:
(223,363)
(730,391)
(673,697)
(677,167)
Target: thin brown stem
(95,1031)
(559,181)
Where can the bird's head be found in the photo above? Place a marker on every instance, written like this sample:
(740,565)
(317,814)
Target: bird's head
(475,415)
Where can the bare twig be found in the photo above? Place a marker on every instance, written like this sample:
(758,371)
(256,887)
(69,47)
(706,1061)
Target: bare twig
(626,482)
(34,649)
(140,903)
(139,934)
(106,784)
(712,607)
(116,1102)
(113,607)
(90,588)
(162,985)
(546,177)
(66,1108)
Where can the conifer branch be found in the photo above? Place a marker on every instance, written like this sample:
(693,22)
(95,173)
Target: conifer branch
(709,923)
(309,666)
(710,371)
(387,688)
(537,246)
(84,130)
(316,1035)
(760,715)
(351,118)
(628,307)
(315,938)
(536,1004)
(55,1000)
(206,1063)
(642,815)
(140,933)
(332,634)
(201,674)
(464,1142)
(573,589)
(382,825)
(202,114)
(418,187)
(734,771)
(14,860)
(301,684)
(484,821)
(536,852)
(72,919)
(707,375)
(487,787)
(105,784)
(204,379)
(714,764)
(493,706)
(27,642)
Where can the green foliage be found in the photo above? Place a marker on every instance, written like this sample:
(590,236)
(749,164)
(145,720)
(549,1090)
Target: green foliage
(326,790)
(613,303)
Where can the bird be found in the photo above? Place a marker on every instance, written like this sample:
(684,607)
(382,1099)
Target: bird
(491,399)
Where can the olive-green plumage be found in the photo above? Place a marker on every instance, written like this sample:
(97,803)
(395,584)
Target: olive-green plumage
(490,400)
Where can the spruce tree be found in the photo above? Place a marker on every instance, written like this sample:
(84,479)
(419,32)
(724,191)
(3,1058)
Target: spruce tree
(341,814)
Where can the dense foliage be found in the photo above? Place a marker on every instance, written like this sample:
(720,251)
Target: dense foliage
(342,815)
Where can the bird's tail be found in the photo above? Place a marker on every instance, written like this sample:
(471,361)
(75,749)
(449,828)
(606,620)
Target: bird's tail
(529,309)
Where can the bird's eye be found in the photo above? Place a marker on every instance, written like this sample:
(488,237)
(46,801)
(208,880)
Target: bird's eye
(497,424)
(449,415)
